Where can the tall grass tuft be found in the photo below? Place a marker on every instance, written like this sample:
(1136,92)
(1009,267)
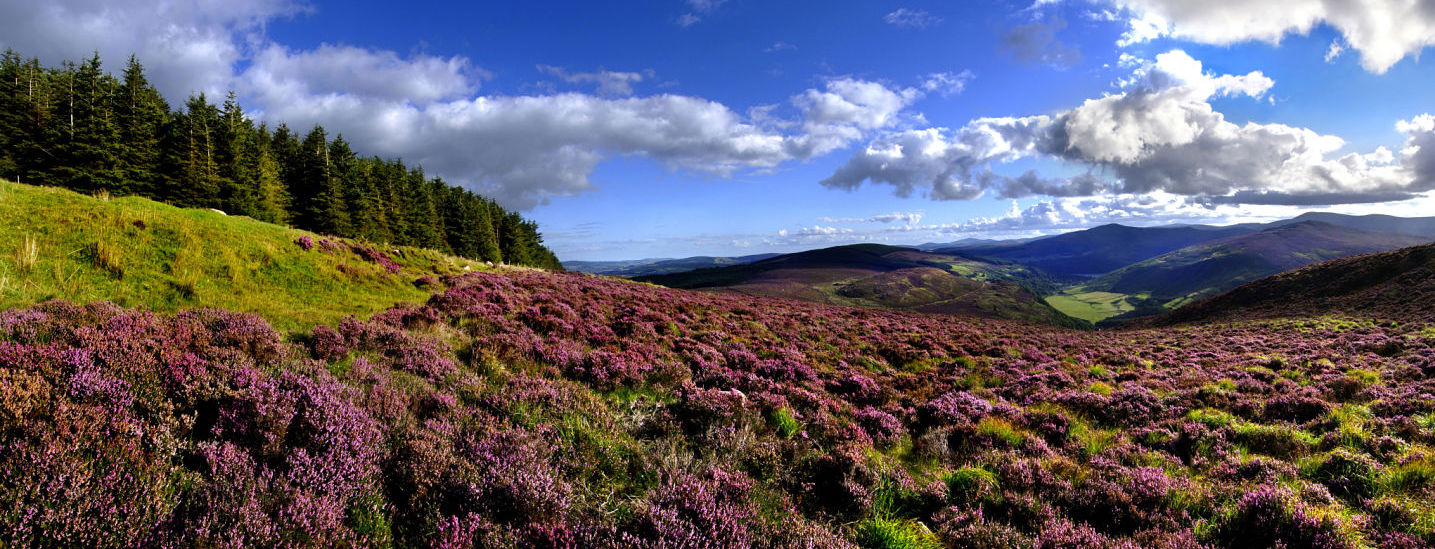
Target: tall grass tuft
(106,257)
(28,253)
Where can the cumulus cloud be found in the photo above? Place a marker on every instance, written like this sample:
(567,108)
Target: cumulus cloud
(1160,134)
(1072,213)
(186,46)
(611,83)
(428,110)
(911,18)
(375,74)
(1383,31)
(1037,43)
(524,150)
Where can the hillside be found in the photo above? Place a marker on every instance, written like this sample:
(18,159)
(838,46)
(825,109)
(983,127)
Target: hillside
(659,266)
(1198,271)
(1092,252)
(520,408)
(1397,286)
(1424,226)
(57,244)
(889,277)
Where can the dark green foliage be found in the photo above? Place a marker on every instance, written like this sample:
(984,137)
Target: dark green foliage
(76,126)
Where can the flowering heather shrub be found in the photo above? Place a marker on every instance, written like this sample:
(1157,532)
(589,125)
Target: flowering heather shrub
(559,410)
(329,246)
(1270,517)
(368,253)
(305,242)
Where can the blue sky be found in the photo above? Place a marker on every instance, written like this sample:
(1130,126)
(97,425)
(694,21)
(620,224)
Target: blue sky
(728,127)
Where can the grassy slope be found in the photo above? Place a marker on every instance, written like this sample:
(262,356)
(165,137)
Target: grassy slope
(1090,306)
(56,243)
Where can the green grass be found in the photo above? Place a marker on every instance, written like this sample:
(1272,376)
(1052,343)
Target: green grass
(879,533)
(1090,306)
(58,244)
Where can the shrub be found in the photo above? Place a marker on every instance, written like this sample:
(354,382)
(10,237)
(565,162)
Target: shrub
(1349,476)
(1270,517)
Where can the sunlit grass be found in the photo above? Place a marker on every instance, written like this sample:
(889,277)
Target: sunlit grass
(137,252)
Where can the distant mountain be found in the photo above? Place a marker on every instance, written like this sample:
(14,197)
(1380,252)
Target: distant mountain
(1396,285)
(1092,252)
(1424,226)
(657,266)
(889,277)
(968,243)
(1208,268)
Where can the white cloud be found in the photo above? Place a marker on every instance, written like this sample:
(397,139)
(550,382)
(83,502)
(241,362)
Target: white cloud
(779,46)
(911,18)
(1383,31)
(523,150)
(947,83)
(1336,48)
(611,83)
(907,218)
(186,46)
(1161,134)
(346,70)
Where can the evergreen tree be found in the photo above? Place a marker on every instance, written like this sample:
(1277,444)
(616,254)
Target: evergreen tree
(335,191)
(140,115)
(10,109)
(91,147)
(38,133)
(193,170)
(80,127)
(271,197)
(236,154)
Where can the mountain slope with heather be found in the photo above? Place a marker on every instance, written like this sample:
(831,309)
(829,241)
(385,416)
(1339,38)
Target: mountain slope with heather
(1397,285)
(1208,268)
(525,408)
(889,277)
(1092,252)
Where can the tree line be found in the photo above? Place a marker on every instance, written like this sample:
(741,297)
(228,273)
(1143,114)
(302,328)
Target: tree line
(78,127)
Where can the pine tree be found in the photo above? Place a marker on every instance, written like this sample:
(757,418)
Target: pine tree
(193,170)
(271,197)
(236,154)
(93,136)
(80,127)
(38,133)
(140,114)
(334,194)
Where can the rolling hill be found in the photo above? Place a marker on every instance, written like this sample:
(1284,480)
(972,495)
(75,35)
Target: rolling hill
(1424,226)
(1092,252)
(889,277)
(1198,271)
(58,244)
(1397,285)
